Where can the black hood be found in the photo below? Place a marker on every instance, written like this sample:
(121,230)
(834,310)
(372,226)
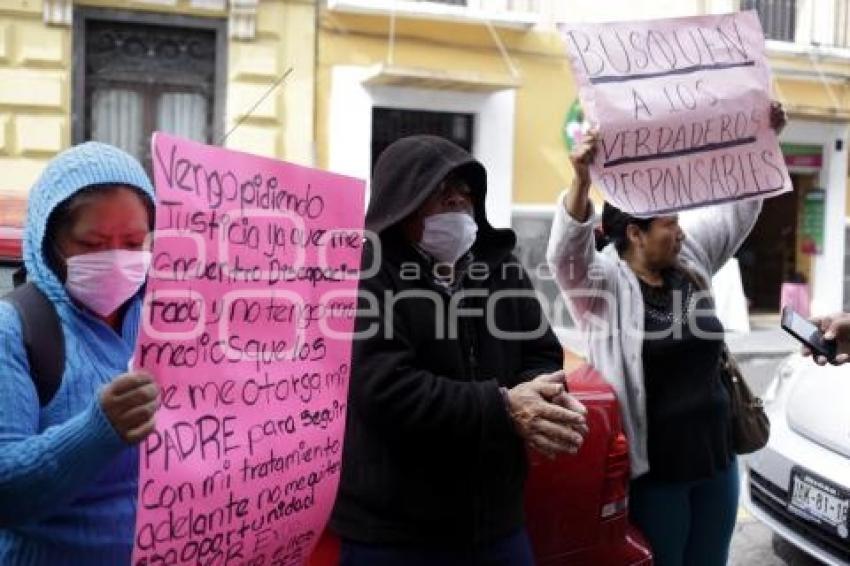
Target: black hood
(410,169)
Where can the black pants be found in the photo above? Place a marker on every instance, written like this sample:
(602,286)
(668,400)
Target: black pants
(514,550)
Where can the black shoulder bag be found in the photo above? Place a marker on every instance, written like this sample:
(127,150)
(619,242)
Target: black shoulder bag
(750,425)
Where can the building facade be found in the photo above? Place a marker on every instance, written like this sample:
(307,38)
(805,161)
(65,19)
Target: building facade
(115,71)
(491,75)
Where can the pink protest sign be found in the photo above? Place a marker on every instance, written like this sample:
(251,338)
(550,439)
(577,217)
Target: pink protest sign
(682,106)
(247,327)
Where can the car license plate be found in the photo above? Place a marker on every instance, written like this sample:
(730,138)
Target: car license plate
(819,501)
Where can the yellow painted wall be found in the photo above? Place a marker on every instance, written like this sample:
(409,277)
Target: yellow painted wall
(546,88)
(34,93)
(183,7)
(282,124)
(812,88)
(541,168)
(36,83)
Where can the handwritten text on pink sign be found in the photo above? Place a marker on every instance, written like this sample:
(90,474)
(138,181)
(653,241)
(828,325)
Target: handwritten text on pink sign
(247,327)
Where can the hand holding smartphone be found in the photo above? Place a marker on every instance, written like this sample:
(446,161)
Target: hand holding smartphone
(809,334)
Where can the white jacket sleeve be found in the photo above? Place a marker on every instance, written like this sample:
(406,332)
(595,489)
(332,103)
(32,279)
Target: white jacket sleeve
(716,232)
(585,276)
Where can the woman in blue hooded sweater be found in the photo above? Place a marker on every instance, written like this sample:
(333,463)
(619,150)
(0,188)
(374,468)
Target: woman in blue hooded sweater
(69,469)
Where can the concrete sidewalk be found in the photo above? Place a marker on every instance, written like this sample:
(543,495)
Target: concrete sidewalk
(766,338)
(762,342)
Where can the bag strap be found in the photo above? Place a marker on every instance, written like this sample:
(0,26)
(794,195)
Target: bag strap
(43,339)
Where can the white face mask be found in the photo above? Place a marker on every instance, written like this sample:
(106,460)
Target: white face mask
(103,281)
(449,235)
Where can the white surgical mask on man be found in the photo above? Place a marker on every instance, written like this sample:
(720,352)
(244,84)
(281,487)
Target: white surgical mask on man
(103,281)
(448,235)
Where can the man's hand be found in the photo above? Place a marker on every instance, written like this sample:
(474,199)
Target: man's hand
(130,403)
(777,117)
(550,420)
(834,327)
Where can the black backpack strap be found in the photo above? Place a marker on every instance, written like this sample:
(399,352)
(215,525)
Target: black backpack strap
(19,276)
(43,339)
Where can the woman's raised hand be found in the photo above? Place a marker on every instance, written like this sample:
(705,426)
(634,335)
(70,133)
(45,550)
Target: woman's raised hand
(778,119)
(581,157)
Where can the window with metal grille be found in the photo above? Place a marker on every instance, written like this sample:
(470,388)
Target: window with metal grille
(778,17)
(390,124)
(137,74)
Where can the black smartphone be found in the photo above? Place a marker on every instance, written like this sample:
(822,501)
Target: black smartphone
(806,332)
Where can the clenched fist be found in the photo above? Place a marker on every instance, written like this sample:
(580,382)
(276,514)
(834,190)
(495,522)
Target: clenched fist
(130,403)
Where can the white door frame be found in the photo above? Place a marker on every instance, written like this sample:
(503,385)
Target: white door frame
(828,267)
(350,128)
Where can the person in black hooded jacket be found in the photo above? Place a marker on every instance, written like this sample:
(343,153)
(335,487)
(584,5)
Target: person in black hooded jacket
(454,372)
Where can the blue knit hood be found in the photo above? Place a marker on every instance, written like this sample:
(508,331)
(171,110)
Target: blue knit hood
(90,163)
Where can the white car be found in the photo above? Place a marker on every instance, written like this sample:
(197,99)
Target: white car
(799,484)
